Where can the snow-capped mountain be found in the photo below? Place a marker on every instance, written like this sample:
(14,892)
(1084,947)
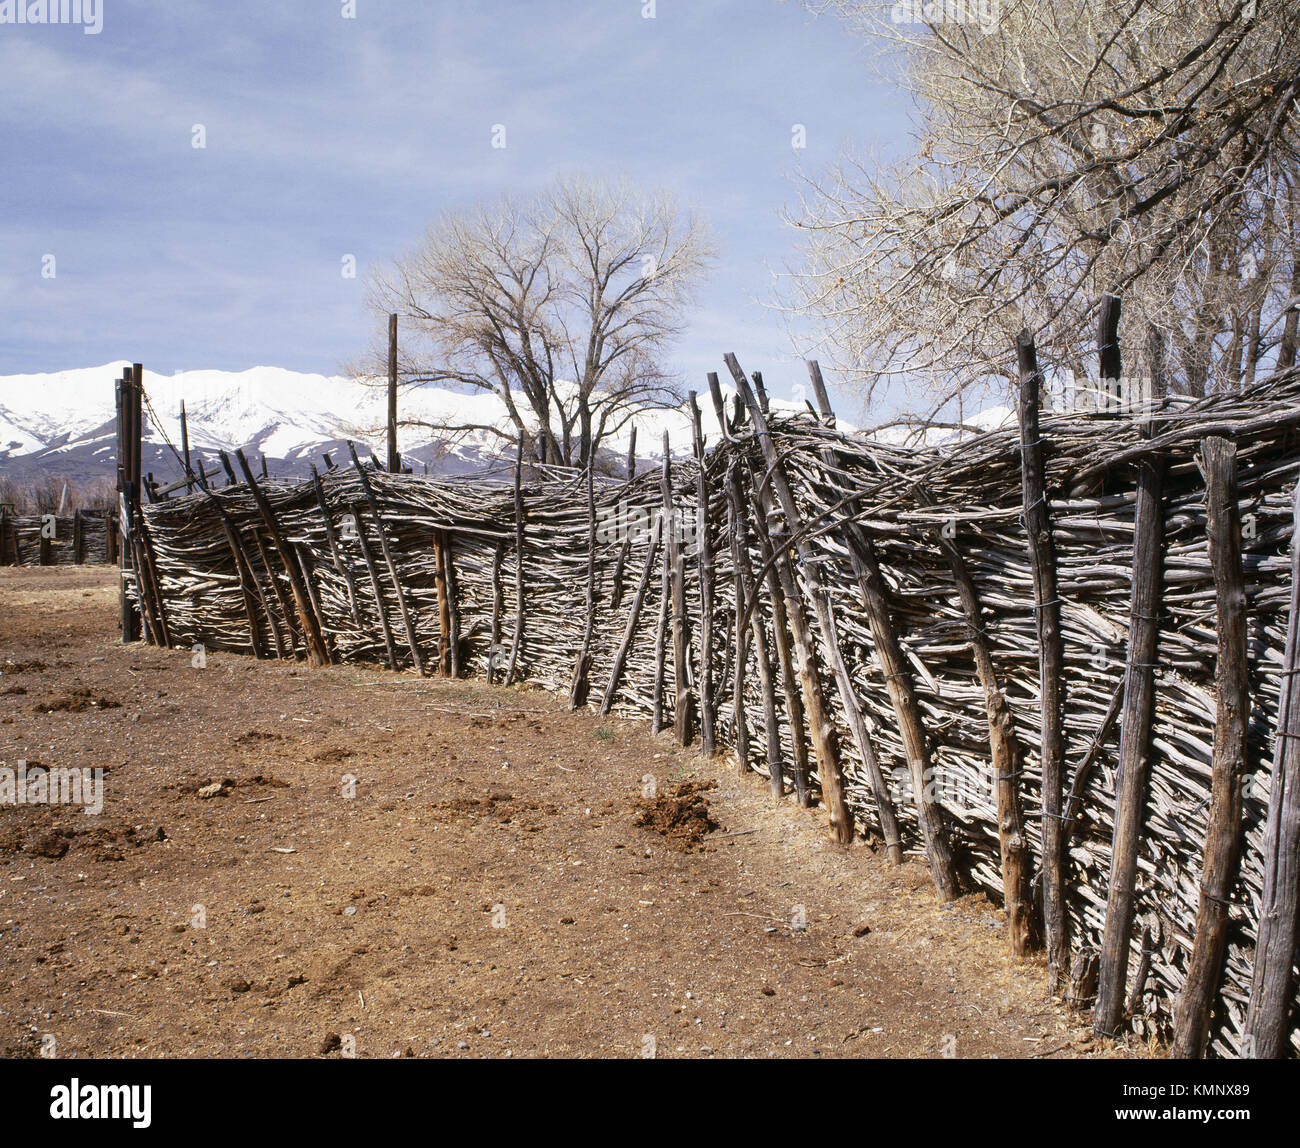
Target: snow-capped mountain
(62,423)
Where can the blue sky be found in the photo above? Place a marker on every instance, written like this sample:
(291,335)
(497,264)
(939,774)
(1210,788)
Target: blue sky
(328,136)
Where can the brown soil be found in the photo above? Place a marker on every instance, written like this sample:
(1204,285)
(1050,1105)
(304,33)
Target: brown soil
(389,866)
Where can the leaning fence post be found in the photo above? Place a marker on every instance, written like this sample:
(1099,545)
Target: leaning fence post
(633,617)
(898,682)
(1131,780)
(408,623)
(819,717)
(791,689)
(885,813)
(311,626)
(1051,658)
(1007,758)
(1271,989)
(704,562)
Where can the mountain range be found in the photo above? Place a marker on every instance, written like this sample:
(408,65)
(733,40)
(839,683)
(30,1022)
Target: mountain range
(61,424)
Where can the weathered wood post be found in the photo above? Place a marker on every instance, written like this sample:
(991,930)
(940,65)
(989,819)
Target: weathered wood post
(633,617)
(661,623)
(582,663)
(1222,853)
(128,496)
(444,602)
(1024,923)
(821,724)
(742,581)
(782,642)
(185,450)
(1051,659)
(394,459)
(704,565)
(683,696)
(312,634)
(516,642)
(341,568)
(498,599)
(1131,781)
(1271,987)
(453,600)
(408,622)
(859,543)
(902,693)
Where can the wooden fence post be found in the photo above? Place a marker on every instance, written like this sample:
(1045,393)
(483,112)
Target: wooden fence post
(453,601)
(1006,756)
(1222,852)
(582,663)
(185,450)
(859,541)
(312,637)
(661,637)
(704,564)
(128,494)
(247,580)
(629,630)
(1271,989)
(791,688)
(341,568)
(494,633)
(743,590)
(1131,780)
(444,603)
(394,459)
(683,696)
(820,722)
(517,640)
(898,681)
(1051,659)
(408,623)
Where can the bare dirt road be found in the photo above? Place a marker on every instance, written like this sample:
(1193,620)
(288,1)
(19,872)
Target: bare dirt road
(394,866)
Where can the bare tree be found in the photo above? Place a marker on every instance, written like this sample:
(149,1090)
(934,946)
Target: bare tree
(561,304)
(1066,149)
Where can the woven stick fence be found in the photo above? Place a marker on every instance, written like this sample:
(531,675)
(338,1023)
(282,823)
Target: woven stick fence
(875,636)
(83,538)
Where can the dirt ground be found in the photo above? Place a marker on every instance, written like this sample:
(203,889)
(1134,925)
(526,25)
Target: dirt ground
(380,865)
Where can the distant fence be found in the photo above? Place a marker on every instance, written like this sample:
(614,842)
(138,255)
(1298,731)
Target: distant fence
(889,620)
(85,537)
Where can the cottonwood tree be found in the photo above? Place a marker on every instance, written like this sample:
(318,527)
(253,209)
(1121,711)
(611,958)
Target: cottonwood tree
(1064,149)
(562,304)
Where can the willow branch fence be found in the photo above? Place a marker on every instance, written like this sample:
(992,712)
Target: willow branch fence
(872,627)
(85,537)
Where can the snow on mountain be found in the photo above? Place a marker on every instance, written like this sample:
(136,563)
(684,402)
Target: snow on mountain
(62,422)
